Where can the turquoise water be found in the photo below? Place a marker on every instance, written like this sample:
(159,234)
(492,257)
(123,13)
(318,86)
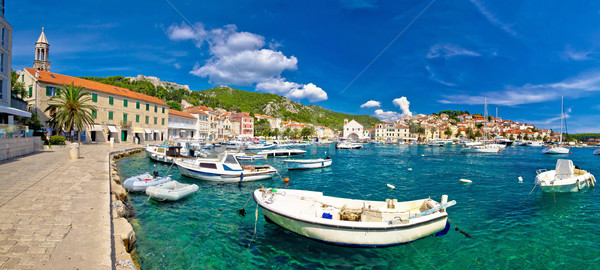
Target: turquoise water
(509,229)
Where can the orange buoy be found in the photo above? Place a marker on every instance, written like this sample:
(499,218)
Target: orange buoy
(314,151)
(287,180)
(570,153)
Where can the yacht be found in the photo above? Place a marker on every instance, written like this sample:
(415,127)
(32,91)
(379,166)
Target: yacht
(558,149)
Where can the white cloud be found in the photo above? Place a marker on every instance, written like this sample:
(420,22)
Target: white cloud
(239,58)
(387,116)
(449,50)
(293,90)
(532,93)
(371,104)
(492,18)
(177,65)
(433,76)
(403,104)
(575,55)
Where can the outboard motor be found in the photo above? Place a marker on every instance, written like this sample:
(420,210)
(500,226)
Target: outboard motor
(191,152)
(155,173)
(328,157)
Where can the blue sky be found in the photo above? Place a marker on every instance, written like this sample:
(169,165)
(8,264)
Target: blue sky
(521,55)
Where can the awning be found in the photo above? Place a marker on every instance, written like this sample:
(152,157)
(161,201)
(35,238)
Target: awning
(148,131)
(96,128)
(156,131)
(112,129)
(138,130)
(13,111)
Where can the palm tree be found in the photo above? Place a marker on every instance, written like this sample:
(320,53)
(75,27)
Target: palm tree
(71,109)
(433,130)
(448,132)
(276,133)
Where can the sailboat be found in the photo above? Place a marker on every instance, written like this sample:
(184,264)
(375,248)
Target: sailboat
(484,148)
(558,149)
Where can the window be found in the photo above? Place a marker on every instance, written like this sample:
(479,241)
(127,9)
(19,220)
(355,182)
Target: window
(163,108)
(137,118)
(124,103)
(30,90)
(94,97)
(137,105)
(147,107)
(208,165)
(50,91)
(163,122)
(155,120)
(124,118)
(147,119)
(94,114)
(2,62)
(111,100)
(155,108)
(110,115)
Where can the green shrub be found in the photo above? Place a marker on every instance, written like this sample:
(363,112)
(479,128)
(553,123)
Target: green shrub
(54,140)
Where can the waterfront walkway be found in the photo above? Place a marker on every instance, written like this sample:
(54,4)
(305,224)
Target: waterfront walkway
(55,212)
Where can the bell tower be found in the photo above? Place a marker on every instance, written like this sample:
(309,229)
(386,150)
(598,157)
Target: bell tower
(42,50)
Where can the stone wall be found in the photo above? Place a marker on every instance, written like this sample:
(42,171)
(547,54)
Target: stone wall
(15,147)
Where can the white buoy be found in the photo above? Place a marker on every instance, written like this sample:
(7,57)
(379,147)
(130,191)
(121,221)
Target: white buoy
(390,186)
(410,169)
(422,155)
(465,181)
(520,179)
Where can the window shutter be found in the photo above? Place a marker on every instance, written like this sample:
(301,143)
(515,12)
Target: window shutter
(47,90)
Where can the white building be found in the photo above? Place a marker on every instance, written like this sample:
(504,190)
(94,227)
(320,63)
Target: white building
(7,112)
(352,130)
(181,125)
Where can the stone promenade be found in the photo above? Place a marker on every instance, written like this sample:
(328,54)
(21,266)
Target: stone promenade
(55,212)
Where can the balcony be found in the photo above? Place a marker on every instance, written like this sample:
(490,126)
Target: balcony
(125,124)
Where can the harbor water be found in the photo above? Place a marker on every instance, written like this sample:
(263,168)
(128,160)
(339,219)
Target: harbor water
(511,225)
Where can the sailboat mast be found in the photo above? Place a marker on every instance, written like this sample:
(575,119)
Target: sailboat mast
(562,109)
(485,112)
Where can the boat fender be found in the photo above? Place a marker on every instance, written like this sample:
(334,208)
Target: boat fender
(327,216)
(520,179)
(578,185)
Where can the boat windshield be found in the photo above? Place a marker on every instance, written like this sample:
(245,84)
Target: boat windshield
(230,159)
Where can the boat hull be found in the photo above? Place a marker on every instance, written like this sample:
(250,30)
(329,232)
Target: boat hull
(571,184)
(350,233)
(308,165)
(556,151)
(227,177)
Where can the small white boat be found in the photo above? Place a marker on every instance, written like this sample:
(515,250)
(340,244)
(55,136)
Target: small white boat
(225,169)
(469,143)
(535,144)
(435,143)
(597,151)
(348,145)
(243,156)
(170,191)
(282,152)
(140,182)
(165,154)
(564,178)
(349,222)
(555,150)
(481,149)
(297,164)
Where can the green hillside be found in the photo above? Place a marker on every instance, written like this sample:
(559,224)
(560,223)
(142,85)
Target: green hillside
(239,100)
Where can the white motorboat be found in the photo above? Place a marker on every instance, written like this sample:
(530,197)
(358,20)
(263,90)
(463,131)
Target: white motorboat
(481,149)
(597,151)
(298,164)
(348,145)
(227,168)
(555,150)
(171,191)
(535,144)
(165,154)
(564,178)
(435,143)
(349,222)
(498,145)
(282,152)
(140,182)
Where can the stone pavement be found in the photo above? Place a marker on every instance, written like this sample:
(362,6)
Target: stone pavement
(55,212)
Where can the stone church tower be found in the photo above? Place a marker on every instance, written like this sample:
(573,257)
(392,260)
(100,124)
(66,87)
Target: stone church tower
(42,50)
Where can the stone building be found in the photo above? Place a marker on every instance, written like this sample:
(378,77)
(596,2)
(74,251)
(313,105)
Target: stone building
(352,130)
(246,126)
(121,114)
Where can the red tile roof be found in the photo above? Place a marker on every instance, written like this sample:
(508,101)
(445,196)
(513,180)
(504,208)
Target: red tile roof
(182,114)
(60,79)
(195,110)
